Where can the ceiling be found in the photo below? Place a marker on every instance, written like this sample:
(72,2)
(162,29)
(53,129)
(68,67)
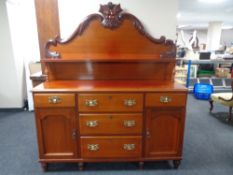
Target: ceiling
(196,14)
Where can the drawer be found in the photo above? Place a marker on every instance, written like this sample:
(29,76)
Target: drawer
(110,102)
(54,100)
(110,124)
(165,99)
(111,147)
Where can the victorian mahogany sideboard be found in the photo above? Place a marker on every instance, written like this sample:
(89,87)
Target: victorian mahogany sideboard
(110,95)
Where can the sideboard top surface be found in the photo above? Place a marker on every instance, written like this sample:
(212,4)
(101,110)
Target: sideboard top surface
(109,86)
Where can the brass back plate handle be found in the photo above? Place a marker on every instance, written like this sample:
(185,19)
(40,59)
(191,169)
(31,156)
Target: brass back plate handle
(129,123)
(129,102)
(129,147)
(92,123)
(93,147)
(54,99)
(91,103)
(165,99)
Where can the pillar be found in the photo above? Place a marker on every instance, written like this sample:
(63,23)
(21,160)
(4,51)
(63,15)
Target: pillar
(214,35)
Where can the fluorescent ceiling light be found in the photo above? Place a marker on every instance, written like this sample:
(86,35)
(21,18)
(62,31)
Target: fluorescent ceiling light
(183,26)
(212,1)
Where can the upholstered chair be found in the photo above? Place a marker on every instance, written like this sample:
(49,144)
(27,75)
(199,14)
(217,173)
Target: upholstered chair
(224,98)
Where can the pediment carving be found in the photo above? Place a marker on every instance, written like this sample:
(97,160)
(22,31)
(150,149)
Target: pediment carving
(111,17)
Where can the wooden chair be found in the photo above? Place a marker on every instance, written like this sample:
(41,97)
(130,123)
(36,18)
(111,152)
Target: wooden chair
(225,98)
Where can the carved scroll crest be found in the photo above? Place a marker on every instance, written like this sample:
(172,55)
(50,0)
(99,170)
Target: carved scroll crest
(111,15)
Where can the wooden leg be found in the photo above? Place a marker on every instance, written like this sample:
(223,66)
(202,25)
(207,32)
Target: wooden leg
(141,165)
(230,111)
(81,166)
(44,166)
(211,105)
(176,163)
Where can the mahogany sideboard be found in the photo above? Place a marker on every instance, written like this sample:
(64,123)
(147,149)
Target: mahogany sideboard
(110,95)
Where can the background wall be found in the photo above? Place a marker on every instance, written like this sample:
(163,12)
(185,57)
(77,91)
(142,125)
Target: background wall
(19,45)
(227,37)
(10,89)
(158,16)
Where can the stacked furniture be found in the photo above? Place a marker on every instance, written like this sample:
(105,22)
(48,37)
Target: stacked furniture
(220,81)
(110,95)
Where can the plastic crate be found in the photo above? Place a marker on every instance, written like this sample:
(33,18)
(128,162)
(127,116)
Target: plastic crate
(202,91)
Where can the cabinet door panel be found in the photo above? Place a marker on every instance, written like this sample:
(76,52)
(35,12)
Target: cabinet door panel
(56,131)
(164,132)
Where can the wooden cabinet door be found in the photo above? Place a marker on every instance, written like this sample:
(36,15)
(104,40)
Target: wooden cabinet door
(56,133)
(164,132)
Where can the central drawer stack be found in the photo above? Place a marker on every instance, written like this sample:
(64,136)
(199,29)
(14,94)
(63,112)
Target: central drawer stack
(110,125)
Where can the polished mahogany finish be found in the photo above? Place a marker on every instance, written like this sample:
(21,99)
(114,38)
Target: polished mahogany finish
(111,147)
(47,26)
(110,86)
(110,70)
(110,124)
(118,42)
(165,99)
(120,102)
(57,134)
(110,95)
(165,125)
(54,100)
(130,38)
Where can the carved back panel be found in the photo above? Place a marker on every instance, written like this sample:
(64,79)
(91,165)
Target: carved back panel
(111,37)
(111,71)
(114,34)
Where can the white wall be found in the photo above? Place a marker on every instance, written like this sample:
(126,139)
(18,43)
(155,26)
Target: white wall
(10,91)
(227,37)
(158,16)
(18,45)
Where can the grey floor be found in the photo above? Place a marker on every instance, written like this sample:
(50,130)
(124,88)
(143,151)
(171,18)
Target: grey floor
(208,147)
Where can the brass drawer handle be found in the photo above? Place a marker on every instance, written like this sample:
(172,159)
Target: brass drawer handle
(91,103)
(54,99)
(129,147)
(92,123)
(129,123)
(93,147)
(129,102)
(165,99)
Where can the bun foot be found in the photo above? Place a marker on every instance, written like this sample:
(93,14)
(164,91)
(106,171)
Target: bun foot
(81,166)
(176,163)
(141,165)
